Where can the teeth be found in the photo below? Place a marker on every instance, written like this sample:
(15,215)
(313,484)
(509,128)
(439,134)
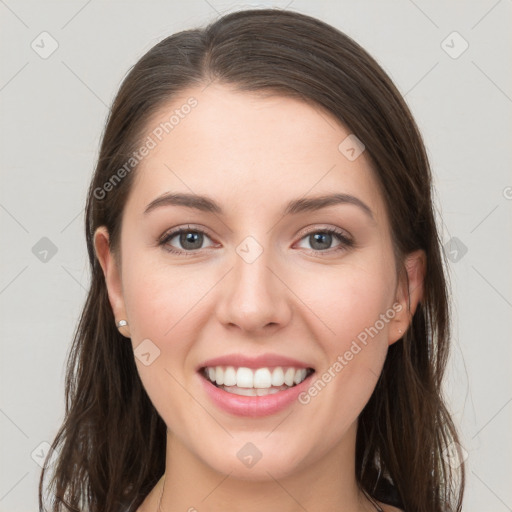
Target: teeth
(252,391)
(229,376)
(277,377)
(260,379)
(300,376)
(289,376)
(244,377)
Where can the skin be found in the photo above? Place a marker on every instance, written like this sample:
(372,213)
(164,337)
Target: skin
(253,154)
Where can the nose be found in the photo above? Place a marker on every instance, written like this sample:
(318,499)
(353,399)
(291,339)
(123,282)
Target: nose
(254,298)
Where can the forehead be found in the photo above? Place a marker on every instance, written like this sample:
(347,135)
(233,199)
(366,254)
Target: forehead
(248,149)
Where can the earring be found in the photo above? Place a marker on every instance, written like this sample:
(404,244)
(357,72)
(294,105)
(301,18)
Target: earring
(122,326)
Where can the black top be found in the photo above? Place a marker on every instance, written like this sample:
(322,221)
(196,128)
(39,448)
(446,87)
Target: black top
(387,493)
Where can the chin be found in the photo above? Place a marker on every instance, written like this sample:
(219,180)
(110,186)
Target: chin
(256,461)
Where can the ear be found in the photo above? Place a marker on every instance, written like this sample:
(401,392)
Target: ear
(112,274)
(409,293)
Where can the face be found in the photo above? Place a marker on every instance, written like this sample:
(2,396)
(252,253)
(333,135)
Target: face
(257,281)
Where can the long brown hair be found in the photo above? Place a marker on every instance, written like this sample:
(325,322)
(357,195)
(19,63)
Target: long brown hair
(111,445)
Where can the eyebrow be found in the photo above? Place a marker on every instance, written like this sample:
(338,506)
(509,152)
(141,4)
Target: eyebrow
(206,204)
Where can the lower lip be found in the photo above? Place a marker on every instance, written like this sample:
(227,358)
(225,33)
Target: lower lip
(254,406)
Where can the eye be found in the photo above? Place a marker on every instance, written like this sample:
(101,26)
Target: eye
(190,240)
(321,240)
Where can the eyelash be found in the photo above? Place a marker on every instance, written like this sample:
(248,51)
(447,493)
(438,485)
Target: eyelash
(345,242)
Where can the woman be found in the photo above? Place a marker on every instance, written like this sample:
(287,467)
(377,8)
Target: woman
(267,325)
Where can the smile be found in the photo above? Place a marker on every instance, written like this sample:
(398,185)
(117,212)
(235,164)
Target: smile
(254,392)
(255,382)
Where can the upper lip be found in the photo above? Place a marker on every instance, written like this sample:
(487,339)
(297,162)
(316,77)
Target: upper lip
(261,361)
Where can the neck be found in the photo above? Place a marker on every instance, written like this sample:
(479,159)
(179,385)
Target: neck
(325,482)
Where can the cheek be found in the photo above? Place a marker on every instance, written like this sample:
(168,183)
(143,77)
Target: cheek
(346,300)
(162,300)
(354,304)
(352,311)
(162,307)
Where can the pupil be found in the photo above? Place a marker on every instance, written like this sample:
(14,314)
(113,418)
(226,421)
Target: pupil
(320,238)
(190,238)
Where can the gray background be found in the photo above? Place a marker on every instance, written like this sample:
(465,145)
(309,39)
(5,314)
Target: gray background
(53,113)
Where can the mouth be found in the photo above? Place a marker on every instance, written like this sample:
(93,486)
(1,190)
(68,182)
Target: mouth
(263,381)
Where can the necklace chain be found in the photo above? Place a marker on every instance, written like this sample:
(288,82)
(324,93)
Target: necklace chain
(161,495)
